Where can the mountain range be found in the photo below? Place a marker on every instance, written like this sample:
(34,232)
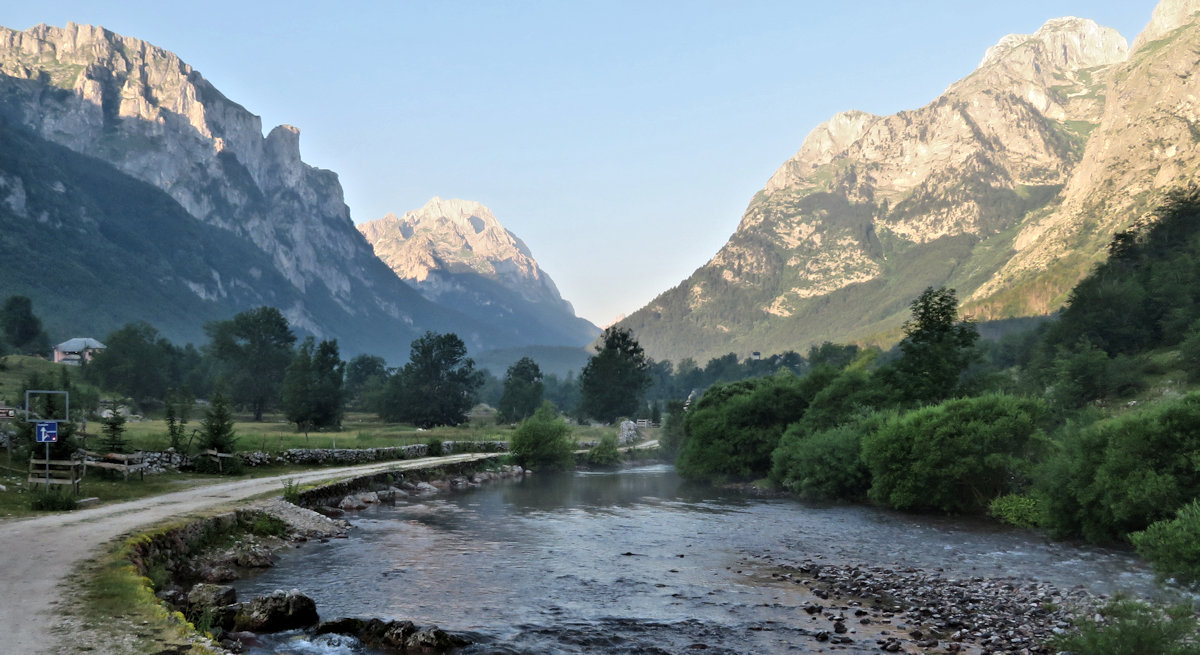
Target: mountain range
(1007,187)
(140,192)
(132,189)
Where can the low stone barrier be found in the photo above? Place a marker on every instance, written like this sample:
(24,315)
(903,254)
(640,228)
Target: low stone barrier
(169,460)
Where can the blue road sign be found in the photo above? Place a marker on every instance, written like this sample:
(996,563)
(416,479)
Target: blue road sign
(47,432)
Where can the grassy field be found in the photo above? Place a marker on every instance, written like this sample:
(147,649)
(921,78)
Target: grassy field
(273,435)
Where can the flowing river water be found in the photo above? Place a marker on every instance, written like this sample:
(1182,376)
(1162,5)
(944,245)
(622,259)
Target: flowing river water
(635,561)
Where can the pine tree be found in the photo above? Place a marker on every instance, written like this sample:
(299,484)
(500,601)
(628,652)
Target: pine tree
(114,434)
(216,429)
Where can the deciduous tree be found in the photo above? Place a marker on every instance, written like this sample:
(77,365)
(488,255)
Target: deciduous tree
(255,348)
(21,329)
(312,387)
(936,349)
(615,377)
(522,391)
(436,387)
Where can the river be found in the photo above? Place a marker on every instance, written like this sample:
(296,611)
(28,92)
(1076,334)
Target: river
(635,561)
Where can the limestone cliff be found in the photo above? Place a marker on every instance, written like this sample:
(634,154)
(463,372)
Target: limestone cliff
(156,119)
(455,253)
(1145,144)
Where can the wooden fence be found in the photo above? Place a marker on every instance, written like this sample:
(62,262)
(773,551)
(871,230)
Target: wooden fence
(56,471)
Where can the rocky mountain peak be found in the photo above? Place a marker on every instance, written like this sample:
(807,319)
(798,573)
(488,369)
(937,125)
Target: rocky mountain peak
(1168,16)
(457,236)
(466,217)
(1066,44)
(823,145)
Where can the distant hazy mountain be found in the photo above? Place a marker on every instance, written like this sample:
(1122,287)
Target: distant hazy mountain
(1007,187)
(457,254)
(154,119)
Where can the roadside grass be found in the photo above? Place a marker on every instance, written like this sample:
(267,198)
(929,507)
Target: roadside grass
(15,502)
(119,605)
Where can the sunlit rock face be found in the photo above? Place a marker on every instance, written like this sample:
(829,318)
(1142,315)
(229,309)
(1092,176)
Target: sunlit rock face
(457,253)
(1007,187)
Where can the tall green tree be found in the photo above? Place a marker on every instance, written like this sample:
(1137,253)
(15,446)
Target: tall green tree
(615,378)
(937,348)
(365,377)
(255,348)
(21,329)
(436,387)
(136,363)
(522,391)
(312,387)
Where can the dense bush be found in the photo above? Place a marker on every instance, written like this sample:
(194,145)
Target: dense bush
(849,395)
(956,456)
(544,441)
(1134,628)
(671,440)
(1119,475)
(733,429)
(1173,546)
(825,465)
(605,453)
(1021,510)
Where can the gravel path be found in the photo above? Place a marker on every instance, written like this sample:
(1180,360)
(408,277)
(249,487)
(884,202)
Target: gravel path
(37,554)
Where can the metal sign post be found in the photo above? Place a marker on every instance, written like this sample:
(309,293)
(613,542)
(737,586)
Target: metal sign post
(47,433)
(46,428)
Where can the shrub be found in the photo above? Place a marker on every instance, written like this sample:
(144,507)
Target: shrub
(543,440)
(1134,628)
(673,435)
(1021,510)
(51,501)
(1119,475)
(956,456)
(1173,546)
(826,465)
(605,453)
(734,428)
(291,491)
(847,396)
(266,525)
(433,448)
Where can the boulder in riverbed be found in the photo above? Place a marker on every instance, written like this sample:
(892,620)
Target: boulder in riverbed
(209,596)
(277,612)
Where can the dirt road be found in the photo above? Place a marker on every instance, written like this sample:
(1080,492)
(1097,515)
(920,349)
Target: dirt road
(37,554)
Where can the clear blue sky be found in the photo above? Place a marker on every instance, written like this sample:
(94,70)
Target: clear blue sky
(621,140)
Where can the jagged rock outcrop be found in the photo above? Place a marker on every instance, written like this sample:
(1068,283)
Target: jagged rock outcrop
(456,253)
(1168,15)
(1146,143)
(154,118)
(874,208)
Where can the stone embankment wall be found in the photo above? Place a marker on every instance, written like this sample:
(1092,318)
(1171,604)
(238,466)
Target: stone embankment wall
(190,563)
